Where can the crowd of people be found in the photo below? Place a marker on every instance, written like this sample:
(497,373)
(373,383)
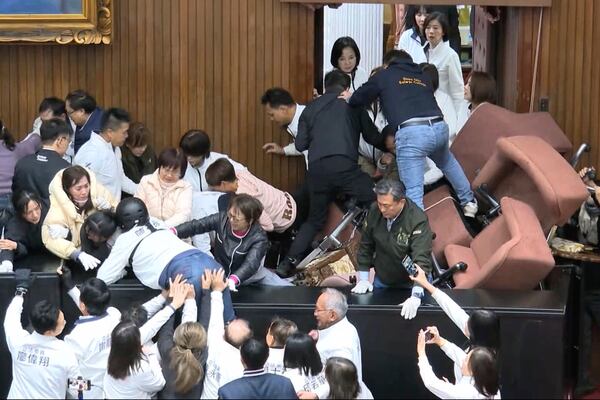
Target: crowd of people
(87,187)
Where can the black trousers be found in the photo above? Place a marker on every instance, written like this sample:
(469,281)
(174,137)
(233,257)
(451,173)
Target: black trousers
(327,178)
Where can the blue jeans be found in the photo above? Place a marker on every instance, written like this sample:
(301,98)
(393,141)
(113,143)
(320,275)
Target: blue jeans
(413,145)
(191,264)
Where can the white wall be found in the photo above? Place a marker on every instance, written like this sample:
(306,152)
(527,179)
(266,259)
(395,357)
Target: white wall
(363,23)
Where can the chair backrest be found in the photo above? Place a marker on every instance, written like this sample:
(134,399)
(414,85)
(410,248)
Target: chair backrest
(476,141)
(512,251)
(529,169)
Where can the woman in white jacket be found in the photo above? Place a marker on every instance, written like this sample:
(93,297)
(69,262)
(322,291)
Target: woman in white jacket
(413,38)
(479,379)
(482,328)
(440,54)
(303,365)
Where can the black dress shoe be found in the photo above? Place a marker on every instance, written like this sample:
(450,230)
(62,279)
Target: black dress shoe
(286,268)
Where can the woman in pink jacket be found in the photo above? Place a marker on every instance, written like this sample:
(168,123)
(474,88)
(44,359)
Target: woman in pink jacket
(167,196)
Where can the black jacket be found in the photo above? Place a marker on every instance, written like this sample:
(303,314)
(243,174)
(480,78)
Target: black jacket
(83,133)
(258,385)
(35,172)
(240,257)
(27,236)
(405,93)
(329,127)
(136,167)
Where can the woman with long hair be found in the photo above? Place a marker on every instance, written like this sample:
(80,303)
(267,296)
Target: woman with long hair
(342,378)
(481,328)
(23,232)
(12,151)
(74,195)
(479,379)
(303,365)
(413,38)
(130,374)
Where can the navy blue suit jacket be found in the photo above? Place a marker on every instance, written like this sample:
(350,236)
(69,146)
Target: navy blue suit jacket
(83,134)
(258,385)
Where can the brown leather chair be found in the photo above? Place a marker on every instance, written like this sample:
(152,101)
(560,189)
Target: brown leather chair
(476,141)
(528,169)
(510,253)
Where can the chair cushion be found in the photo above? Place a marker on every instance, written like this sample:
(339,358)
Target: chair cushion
(445,222)
(455,254)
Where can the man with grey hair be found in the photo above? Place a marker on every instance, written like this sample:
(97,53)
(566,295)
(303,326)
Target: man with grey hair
(394,228)
(335,335)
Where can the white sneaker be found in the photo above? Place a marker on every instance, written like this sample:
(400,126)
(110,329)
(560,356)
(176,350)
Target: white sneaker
(470,209)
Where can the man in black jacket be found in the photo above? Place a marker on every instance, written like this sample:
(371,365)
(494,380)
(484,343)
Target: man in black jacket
(35,172)
(409,105)
(330,130)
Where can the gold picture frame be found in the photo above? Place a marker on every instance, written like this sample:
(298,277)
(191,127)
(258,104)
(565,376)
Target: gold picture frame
(93,26)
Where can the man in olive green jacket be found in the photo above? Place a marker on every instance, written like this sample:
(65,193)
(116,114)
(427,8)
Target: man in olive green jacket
(394,228)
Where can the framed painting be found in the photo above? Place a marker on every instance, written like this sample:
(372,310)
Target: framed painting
(56,21)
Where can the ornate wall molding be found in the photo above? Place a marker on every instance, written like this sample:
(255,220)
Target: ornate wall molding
(93,26)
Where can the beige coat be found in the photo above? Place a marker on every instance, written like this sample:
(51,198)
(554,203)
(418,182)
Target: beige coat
(63,212)
(173,205)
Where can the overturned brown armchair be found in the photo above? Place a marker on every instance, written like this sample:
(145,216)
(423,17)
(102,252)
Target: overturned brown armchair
(510,253)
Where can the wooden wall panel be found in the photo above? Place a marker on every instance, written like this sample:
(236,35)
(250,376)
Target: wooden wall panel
(568,72)
(177,65)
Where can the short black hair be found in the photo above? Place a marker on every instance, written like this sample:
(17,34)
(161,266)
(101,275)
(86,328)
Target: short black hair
(54,104)
(195,143)
(431,71)
(220,171)
(336,80)
(103,223)
(95,295)
(442,19)
(44,316)
(276,97)
(54,128)
(396,55)
(113,118)
(301,352)
(81,100)
(254,353)
(173,158)
(338,47)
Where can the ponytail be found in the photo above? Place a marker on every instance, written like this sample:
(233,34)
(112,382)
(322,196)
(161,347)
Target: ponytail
(189,340)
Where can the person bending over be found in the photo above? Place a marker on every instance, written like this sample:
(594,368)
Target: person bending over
(279,208)
(394,229)
(241,243)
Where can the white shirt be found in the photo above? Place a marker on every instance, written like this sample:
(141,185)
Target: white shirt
(90,342)
(151,256)
(105,161)
(142,383)
(463,389)
(196,176)
(450,71)
(308,383)
(223,364)
(41,365)
(365,149)
(341,340)
(292,129)
(274,364)
(204,204)
(410,42)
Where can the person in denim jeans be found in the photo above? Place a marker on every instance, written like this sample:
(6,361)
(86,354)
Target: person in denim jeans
(408,103)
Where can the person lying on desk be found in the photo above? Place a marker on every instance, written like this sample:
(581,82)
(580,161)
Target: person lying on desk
(394,228)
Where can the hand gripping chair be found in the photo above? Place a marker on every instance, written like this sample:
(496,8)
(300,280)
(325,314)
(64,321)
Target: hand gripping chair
(528,169)
(510,253)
